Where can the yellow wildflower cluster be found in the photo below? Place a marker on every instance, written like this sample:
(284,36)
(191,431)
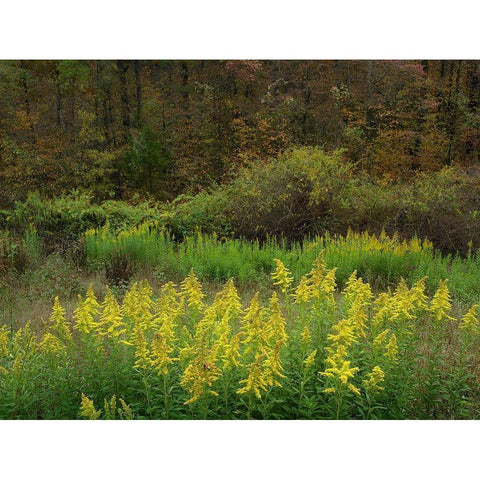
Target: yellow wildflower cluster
(282,276)
(89,412)
(469,321)
(216,347)
(441,302)
(85,315)
(318,284)
(264,336)
(192,292)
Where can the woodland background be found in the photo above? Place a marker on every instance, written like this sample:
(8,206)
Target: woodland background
(161,128)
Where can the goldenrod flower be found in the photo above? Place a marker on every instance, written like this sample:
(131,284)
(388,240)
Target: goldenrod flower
(255,381)
(306,336)
(379,340)
(328,285)
(110,407)
(469,321)
(87,409)
(202,370)
(58,322)
(230,299)
(137,306)
(86,312)
(303,292)
(392,348)
(161,350)
(403,302)
(346,333)
(252,324)
(142,352)
(282,276)
(441,302)
(231,353)
(124,411)
(4,340)
(310,360)
(51,344)
(192,291)
(111,321)
(419,298)
(375,378)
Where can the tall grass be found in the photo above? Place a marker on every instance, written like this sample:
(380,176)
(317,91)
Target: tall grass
(381,260)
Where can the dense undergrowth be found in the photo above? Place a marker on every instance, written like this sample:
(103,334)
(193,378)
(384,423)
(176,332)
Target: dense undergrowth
(304,192)
(303,352)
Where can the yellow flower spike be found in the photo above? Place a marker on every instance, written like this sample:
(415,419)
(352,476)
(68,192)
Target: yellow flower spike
(192,291)
(111,320)
(202,370)
(200,375)
(86,312)
(310,360)
(272,366)
(255,381)
(391,349)
(130,302)
(22,338)
(419,298)
(4,340)
(87,409)
(384,309)
(353,388)
(231,353)
(346,372)
(143,359)
(58,323)
(340,370)
(137,306)
(282,276)
(357,316)
(375,378)
(306,336)
(319,267)
(109,408)
(328,285)
(441,302)
(276,322)
(379,340)
(169,304)
(163,344)
(252,323)
(124,411)
(346,333)
(403,302)
(51,344)
(230,299)
(303,293)
(469,322)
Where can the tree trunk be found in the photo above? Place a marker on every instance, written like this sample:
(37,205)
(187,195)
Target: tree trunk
(138,93)
(27,102)
(122,66)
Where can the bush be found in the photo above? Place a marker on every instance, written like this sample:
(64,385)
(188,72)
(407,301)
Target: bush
(309,192)
(62,220)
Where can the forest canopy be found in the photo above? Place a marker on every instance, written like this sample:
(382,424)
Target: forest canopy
(157,129)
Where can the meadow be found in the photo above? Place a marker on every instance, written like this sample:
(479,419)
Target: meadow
(317,341)
(306,305)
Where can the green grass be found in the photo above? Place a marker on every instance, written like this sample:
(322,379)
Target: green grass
(382,260)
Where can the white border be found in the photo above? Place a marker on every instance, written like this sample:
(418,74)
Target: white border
(218,29)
